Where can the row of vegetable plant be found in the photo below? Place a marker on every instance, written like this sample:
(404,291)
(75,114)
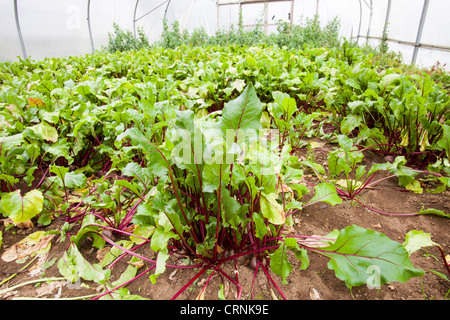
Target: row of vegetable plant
(193,152)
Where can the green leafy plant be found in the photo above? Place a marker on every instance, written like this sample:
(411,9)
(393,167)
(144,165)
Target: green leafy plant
(21,208)
(350,177)
(191,151)
(124,40)
(294,125)
(210,208)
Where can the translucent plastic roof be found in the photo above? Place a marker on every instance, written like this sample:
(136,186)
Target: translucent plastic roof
(51,28)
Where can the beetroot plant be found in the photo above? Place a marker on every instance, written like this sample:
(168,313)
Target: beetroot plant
(224,190)
(191,153)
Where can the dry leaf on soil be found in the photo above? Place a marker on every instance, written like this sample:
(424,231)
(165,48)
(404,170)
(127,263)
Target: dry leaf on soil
(35,243)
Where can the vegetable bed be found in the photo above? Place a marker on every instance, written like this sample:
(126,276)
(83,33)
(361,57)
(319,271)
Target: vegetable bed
(223,173)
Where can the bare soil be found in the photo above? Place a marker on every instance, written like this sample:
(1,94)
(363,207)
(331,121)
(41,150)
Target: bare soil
(317,282)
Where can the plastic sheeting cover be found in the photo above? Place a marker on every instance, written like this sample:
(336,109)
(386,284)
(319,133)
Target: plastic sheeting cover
(52,28)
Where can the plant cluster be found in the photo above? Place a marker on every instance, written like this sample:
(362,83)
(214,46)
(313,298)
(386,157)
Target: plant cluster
(306,33)
(124,40)
(192,152)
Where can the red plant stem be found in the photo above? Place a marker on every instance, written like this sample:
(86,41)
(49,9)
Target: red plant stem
(218,214)
(129,215)
(95,136)
(124,249)
(207,282)
(236,271)
(87,158)
(102,218)
(145,258)
(386,213)
(362,148)
(243,242)
(119,231)
(89,155)
(237,255)
(81,202)
(447,266)
(239,287)
(298,236)
(107,165)
(254,277)
(201,188)
(42,178)
(273,282)
(190,282)
(180,205)
(45,191)
(379,180)
(124,254)
(365,185)
(5,187)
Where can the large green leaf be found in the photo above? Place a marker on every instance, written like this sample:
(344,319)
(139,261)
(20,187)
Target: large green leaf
(271,209)
(59,171)
(350,122)
(260,226)
(161,259)
(212,175)
(71,179)
(325,192)
(444,142)
(139,139)
(188,148)
(415,240)
(279,262)
(160,238)
(343,159)
(75,180)
(132,169)
(232,211)
(46,131)
(360,254)
(22,208)
(241,117)
(433,211)
(9,179)
(283,108)
(11,141)
(73,266)
(145,215)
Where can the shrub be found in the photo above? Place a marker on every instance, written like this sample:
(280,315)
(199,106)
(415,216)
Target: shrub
(124,40)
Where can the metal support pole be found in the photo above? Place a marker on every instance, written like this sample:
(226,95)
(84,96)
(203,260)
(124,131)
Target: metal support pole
(240,13)
(148,12)
(16,14)
(384,37)
(386,20)
(360,18)
(167,8)
(370,20)
(89,24)
(134,18)
(266,18)
(291,20)
(419,32)
(218,14)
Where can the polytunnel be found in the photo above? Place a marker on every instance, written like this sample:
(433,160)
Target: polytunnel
(47,28)
(252,150)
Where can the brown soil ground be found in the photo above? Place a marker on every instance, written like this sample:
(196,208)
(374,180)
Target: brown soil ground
(317,282)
